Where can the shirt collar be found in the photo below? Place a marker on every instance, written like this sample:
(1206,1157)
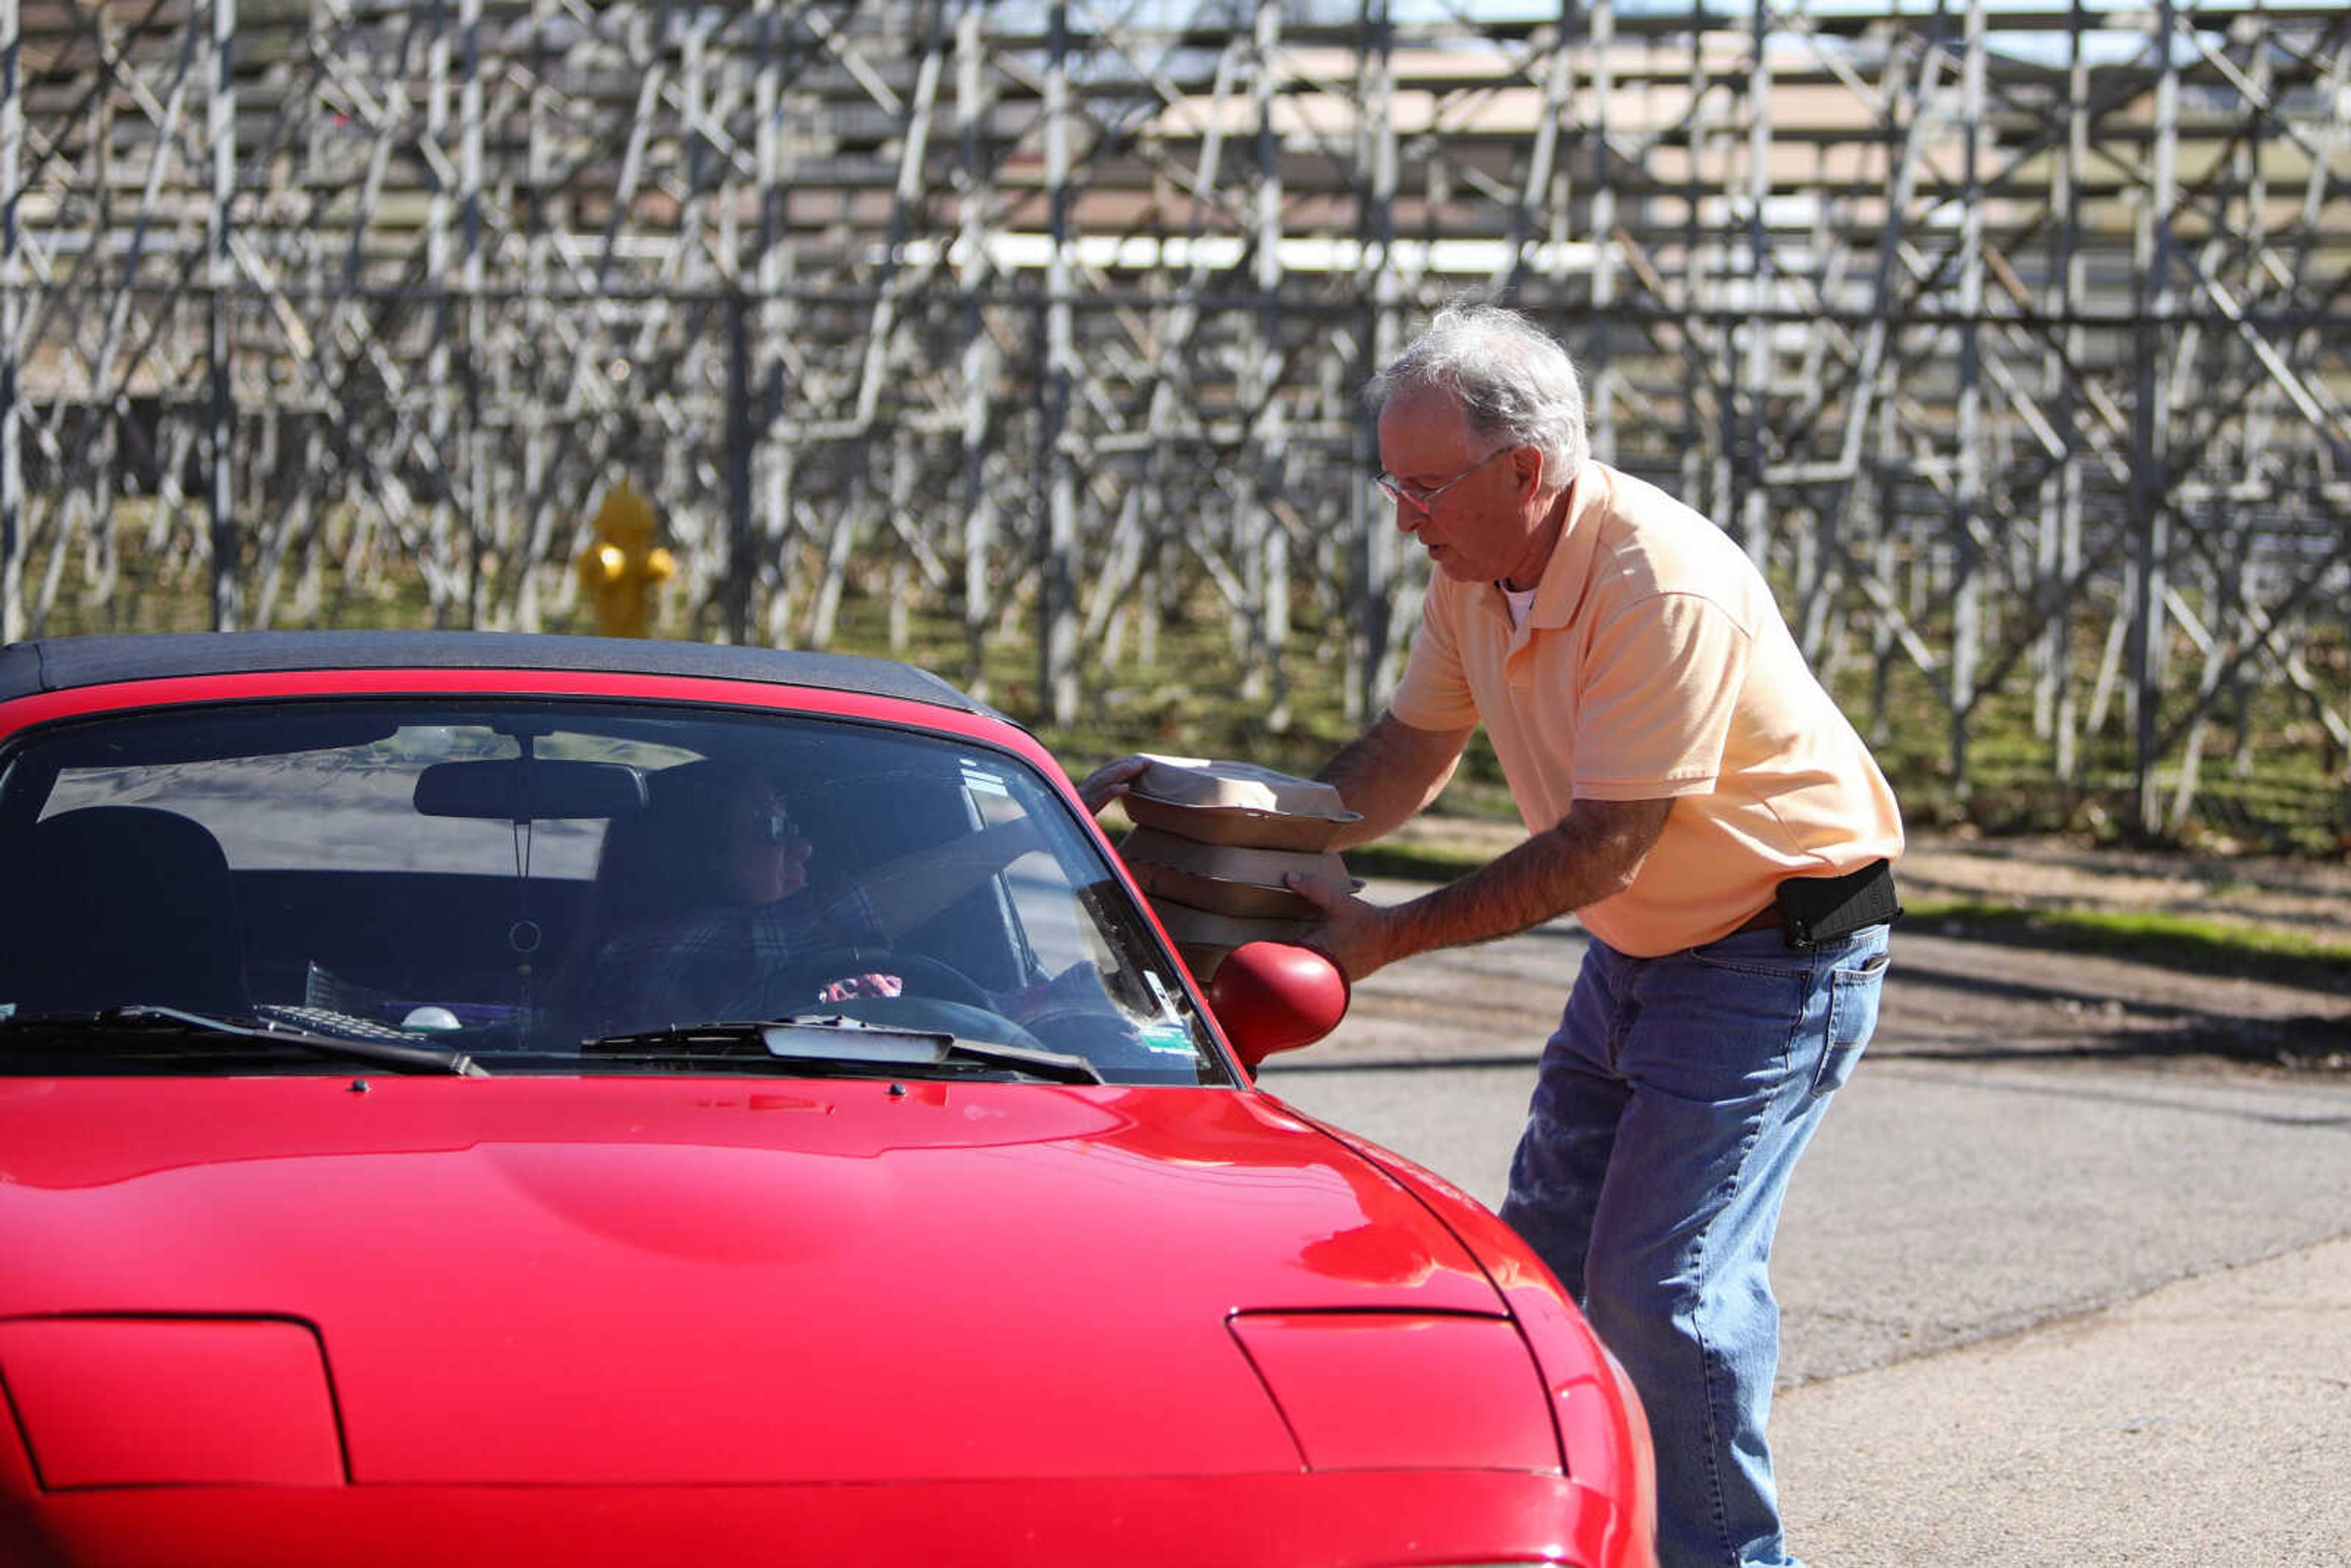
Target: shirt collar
(1560,591)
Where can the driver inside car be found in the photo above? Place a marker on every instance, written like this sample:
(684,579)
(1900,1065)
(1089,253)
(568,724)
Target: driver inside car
(704,910)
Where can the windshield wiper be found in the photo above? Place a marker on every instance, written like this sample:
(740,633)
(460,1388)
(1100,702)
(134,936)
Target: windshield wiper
(189,1030)
(836,1042)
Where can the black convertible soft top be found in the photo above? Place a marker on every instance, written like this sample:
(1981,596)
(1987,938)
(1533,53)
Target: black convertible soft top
(61,664)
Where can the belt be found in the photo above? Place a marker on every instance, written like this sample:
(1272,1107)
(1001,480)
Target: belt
(1764,919)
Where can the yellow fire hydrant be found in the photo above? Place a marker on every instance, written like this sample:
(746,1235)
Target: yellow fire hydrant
(623,565)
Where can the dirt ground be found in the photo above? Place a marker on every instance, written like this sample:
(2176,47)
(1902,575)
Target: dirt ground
(1958,993)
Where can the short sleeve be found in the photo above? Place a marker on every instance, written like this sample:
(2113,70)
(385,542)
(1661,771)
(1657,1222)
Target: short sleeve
(1435,693)
(1655,715)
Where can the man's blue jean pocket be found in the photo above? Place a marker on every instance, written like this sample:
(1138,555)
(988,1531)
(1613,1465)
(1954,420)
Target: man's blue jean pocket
(1854,991)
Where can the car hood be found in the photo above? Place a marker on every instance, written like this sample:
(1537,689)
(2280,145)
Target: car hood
(533,1281)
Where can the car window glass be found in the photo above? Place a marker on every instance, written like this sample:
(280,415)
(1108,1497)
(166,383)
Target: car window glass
(355,813)
(671,866)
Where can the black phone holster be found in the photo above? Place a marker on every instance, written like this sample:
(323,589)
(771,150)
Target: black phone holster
(1817,909)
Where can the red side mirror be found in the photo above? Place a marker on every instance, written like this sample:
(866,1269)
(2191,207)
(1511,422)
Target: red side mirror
(1270,996)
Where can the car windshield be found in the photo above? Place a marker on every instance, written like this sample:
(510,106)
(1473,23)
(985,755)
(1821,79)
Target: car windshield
(572,886)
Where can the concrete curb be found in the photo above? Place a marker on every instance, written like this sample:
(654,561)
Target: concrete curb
(2205,1422)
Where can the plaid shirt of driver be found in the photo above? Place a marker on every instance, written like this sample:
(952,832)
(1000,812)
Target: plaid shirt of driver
(689,969)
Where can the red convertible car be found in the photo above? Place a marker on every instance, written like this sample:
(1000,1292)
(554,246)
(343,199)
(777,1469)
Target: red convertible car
(475,1099)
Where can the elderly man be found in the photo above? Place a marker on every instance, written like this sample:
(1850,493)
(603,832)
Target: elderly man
(1692,794)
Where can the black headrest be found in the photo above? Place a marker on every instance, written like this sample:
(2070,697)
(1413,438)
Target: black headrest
(118,905)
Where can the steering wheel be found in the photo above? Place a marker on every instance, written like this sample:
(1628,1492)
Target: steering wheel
(937,996)
(793,985)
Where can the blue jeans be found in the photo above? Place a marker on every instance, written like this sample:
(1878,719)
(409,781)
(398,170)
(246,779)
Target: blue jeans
(1670,1110)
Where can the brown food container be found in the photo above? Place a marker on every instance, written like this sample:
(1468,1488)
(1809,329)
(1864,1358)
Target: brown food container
(1212,843)
(1227,878)
(1218,896)
(1204,933)
(1237,785)
(1202,960)
(1235,825)
(1235,803)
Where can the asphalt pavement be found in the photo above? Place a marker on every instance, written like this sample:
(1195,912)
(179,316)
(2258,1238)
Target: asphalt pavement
(2040,1308)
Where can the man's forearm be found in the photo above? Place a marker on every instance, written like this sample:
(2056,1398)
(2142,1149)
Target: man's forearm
(1388,773)
(1593,853)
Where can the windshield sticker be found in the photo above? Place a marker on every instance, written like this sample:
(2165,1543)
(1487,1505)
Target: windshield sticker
(1166,1039)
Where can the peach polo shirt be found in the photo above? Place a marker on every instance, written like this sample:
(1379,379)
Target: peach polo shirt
(1654,663)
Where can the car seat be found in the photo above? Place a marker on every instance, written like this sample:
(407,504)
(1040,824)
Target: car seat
(117,905)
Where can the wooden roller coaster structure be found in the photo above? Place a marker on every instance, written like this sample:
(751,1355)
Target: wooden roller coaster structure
(2010,337)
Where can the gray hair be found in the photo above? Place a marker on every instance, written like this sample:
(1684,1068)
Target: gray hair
(1511,378)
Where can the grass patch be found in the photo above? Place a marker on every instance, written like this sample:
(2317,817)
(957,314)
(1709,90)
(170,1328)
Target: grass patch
(2218,948)
(1414,863)
(2178,942)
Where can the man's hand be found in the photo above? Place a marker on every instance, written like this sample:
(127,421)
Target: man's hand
(1352,933)
(1111,780)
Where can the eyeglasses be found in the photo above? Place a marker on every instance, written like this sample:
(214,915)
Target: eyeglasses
(1425,501)
(775,826)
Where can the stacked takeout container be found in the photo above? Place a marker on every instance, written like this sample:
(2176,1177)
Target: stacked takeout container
(1211,843)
